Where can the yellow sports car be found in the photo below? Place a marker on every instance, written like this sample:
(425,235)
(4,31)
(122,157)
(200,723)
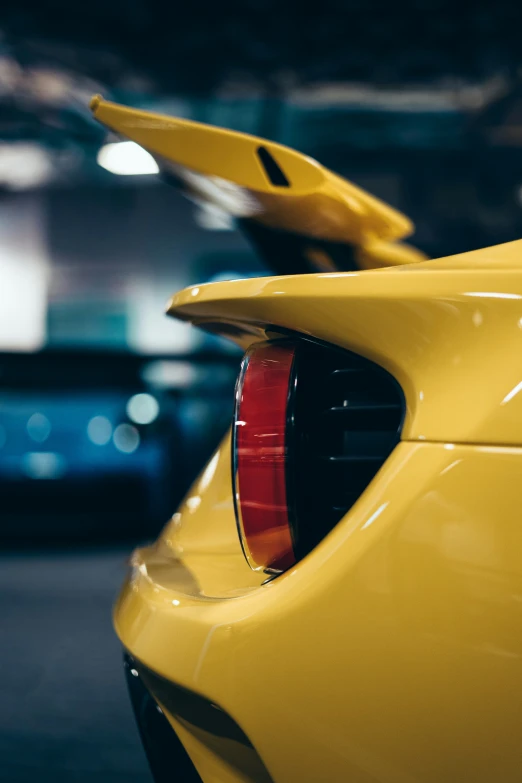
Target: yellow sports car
(339,597)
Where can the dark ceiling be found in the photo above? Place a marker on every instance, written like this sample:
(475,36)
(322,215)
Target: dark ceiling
(54,54)
(418,101)
(198,46)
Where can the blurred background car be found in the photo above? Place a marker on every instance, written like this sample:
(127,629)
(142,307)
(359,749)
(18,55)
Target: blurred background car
(103,444)
(107,408)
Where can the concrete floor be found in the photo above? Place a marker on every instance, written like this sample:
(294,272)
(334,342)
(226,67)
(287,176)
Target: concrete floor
(64,710)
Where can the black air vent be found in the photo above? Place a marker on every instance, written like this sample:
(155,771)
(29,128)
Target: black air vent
(346,419)
(273,170)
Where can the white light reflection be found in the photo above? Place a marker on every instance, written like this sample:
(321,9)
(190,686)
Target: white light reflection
(193,502)
(477,318)
(374,516)
(208,473)
(450,466)
(229,196)
(512,393)
(492,295)
(213,218)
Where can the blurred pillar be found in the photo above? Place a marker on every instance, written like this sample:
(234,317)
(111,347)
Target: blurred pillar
(24,273)
(149,330)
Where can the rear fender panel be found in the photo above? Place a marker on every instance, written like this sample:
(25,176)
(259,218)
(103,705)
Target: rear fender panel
(450,333)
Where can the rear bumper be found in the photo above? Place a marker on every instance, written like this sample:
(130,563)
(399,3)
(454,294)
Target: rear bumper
(389,653)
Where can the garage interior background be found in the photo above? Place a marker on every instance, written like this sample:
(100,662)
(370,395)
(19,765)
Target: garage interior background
(107,408)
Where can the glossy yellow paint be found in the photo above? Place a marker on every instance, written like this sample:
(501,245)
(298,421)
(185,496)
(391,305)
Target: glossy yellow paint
(223,167)
(378,254)
(208,544)
(449,331)
(393,652)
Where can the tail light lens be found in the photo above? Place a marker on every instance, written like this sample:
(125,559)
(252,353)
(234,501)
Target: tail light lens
(260,453)
(313,425)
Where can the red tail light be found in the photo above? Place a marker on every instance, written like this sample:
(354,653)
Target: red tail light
(313,426)
(260,453)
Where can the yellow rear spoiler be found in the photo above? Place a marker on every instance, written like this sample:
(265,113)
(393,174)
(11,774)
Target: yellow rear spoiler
(298,214)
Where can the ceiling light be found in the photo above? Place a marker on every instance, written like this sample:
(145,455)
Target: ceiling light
(24,165)
(126,158)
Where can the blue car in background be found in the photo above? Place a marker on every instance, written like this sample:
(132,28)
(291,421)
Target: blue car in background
(95,443)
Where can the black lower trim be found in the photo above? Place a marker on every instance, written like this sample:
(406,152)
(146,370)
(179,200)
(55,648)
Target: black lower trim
(167,757)
(168,760)
(192,708)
